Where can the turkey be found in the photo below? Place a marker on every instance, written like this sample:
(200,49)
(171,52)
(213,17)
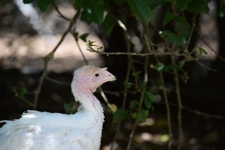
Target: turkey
(54,131)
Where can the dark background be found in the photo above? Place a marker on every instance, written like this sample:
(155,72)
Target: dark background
(203,95)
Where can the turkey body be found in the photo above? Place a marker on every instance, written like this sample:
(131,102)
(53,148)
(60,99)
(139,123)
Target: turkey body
(54,131)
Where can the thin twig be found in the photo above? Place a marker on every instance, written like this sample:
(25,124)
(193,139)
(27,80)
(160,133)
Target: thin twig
(191,32)
(105,99)
(177,88)
(49,57)
(26,101)
(148,39)
(204,66)
(217,55)
(140,103)
(86,62)
(129,62)
(136,54)
(190,58)
(56,81)
(41,80)
(167,109)
(58,11)
(197,112)
(79,48)
(179,101)
(66,32)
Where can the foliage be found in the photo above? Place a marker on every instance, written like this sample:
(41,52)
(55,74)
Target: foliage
(20,92)
(69,108)
(174,30)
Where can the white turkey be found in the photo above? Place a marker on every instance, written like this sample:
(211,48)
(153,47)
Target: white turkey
(54,131)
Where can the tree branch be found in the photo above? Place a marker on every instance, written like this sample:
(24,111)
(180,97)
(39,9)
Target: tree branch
(147,38)
(58,11)
(50,56)
(129,63)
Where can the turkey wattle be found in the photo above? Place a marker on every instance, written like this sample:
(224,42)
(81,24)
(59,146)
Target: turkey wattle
(54,131)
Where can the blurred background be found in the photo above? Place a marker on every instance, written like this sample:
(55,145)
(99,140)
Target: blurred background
(29,32)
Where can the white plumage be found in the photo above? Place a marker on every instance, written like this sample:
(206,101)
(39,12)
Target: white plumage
(54,131)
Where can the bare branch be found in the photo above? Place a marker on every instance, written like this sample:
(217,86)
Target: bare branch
(140,103)
(197,112)
(56,81)
(58,11)
(217,55)
(204,66)
(129,63)
(179,101)
(50,56)
(137,54)
(79,48)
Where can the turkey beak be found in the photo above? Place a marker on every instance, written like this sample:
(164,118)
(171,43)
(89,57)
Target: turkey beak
(111,77)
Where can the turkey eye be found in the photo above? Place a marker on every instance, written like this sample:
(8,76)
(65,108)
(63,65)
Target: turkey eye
(96,75)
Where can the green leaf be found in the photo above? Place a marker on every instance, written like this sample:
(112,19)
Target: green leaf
(149,99)
(181,63)
(129,84)
(93,10)
(142,115)
(155,3)
(133,104)
(148,103)
(84,37)
(198,7)
(141,10)
(201,51)
(160,67)
(133,115)
(151,96)
(137,73)
(85,16)
(185,77)
(182,4)
(68,108)
(119,2)
(27,1)
(172,38)
(120,115)
(76,34)
(109,23)
(21,92)
(171,67)
(168,17)
(43,4)
(182,26)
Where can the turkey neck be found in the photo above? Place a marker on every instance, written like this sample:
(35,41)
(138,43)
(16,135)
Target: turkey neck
(89,103)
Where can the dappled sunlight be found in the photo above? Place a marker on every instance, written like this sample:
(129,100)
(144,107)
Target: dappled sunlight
(159,139)
(111,146)
(208,38)
(148,122)
(26,52)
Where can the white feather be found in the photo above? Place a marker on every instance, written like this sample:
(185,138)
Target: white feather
(54,131)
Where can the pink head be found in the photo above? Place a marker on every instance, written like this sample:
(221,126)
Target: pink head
(89,78)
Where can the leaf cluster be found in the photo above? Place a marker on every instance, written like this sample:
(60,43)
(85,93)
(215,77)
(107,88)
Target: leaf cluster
(174,31)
